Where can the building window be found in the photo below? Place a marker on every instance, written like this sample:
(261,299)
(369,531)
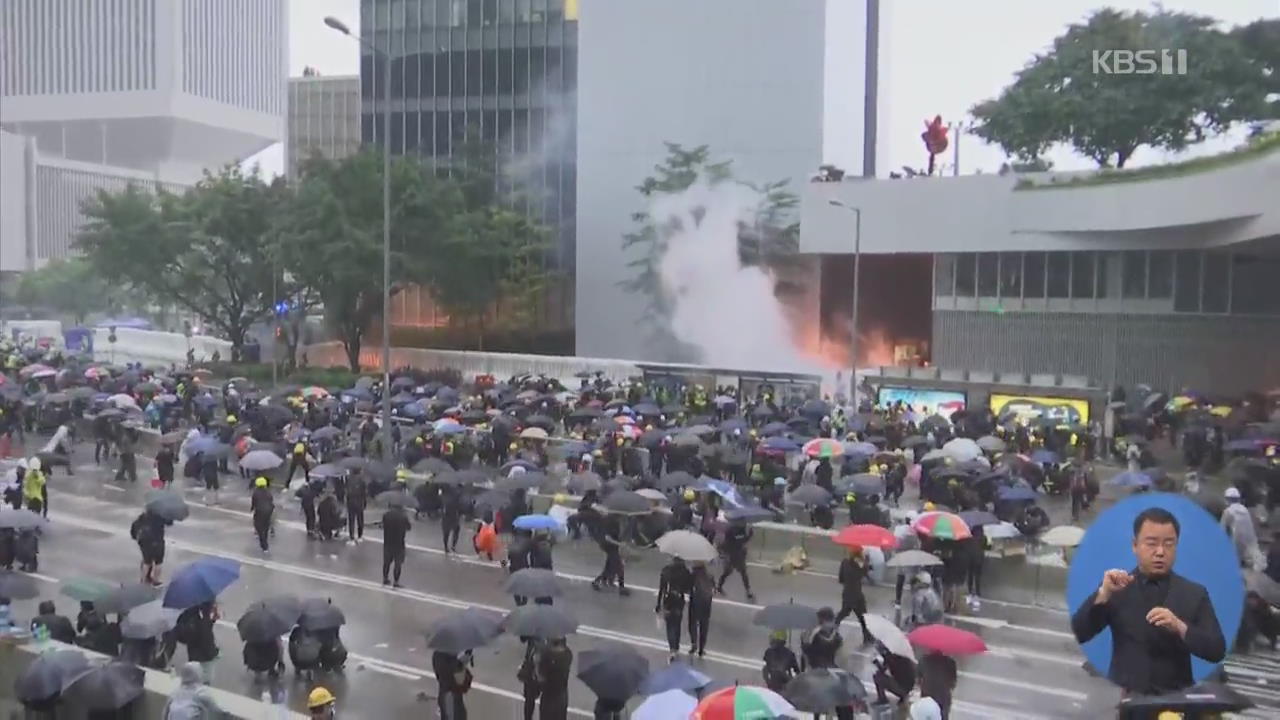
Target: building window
(1082,275)
(1253,281)
(1217,282)
(1159,274)
(988,274)
(966,274)
(1186,289)
(1058,265)
(944,275)
(1010,275)
(1134,274)
(1033,275)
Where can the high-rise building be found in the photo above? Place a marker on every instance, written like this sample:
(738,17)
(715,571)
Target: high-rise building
(324,118)
(504,69)
(110,92)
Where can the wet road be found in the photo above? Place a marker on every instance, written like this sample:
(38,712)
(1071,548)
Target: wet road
(1032,671)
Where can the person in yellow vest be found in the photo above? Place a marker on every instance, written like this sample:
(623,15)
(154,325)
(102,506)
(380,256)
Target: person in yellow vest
(34,489)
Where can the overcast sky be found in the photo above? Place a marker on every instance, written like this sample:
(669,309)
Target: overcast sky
(940,58)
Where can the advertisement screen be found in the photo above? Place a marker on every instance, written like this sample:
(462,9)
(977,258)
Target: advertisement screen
(942,402)
(1027,408)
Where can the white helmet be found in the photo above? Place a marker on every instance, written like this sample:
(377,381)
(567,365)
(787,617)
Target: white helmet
(517,470)
(23,464)
(34,463)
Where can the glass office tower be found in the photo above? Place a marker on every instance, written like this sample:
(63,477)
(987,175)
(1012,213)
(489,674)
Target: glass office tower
(505,68)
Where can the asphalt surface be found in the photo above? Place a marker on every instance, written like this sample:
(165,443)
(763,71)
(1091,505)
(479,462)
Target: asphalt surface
(1033,669)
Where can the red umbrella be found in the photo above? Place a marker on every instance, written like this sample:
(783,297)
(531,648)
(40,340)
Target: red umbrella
(947,640)
(866,536)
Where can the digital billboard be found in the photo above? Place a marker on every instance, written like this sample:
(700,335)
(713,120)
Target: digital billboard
(942,402)
(1028,408)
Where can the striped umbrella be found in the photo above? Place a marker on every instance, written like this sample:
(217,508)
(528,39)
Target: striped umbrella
(823,448)
(314,392)
(942,525)
(742,703)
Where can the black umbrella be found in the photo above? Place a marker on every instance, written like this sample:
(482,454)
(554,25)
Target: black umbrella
(533,582)
(106,687)
(148,621)
(677,479)
(626,502)
(614,672)
(540,621)
(582,482)
(522,481)
(432,466)
(749,514)
(396,498)
(976,518)
(809,495)
(265,621)
(49,674)
(124,598)
(353,463)
(169,505)
(16,586)
(462,477)
(541,421)
(786,616)
(1207,697)
(463,630)
(321,614)
(19,519)
(823,690)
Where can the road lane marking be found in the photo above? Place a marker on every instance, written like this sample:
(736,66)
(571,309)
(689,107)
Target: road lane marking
(590,631)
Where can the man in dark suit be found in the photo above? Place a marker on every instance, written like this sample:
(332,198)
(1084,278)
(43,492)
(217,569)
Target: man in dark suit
(1158,619)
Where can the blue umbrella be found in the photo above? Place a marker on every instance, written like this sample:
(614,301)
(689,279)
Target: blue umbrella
(780,444)
(200,582)
(1017,493)
(860,448)
(647,409)
(732,424)
(413,410)
(1044,457)
(676,676)
(1131,478)
(537,522)
(1245,445)
(450,429)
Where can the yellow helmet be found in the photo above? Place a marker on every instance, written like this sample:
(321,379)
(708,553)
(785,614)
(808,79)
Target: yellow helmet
(513,446)
(418,440)
(319,698)
(402,474)
(929,507)
(231,418)
(559,499)
(260,482)
(850,497)
(689,495)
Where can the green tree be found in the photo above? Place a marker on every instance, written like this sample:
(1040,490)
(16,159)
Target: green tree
(771,239)
(331,235)
(1061,97)
(207,251)
(67,286)
(1260,40)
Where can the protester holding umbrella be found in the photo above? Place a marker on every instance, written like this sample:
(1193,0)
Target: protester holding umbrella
(555,664)
(262,504)
(195,630)
(822,647)
(894,674)
(165,465)
(148,531)
(614,674)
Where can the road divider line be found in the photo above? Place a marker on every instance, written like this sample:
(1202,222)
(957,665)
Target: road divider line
(590,631)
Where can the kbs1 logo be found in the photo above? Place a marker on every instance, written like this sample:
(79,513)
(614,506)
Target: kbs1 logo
(1140,62)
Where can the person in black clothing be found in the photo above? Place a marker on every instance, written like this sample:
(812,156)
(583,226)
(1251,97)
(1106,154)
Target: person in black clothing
(540,557)
(894,674)
(195,630)
(262,505)
(938,675)
(780,664)
(102,434)
(395,526)
(822,648)
(586,517)
(128,461)
(701,594)
(453,678)
(853,570)
(822,475)
(307,494)
(527,674)
(734,547)
(212,483)
(1158,619)
(518,557)
(357,498)
(298,459)
(59,627)
(8,548)
(611,543)
(450,518)
(164,465)
(148,531)
(555,664)
(674,583)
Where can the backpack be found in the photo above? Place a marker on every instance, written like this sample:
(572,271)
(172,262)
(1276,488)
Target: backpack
(184,707)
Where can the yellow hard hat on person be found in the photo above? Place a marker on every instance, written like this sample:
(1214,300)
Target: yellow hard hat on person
(260,482)
(929,507)
(689,494)
(559,499)
(231,418)
(402,475)
(850,497)
(319,698)
(418,439)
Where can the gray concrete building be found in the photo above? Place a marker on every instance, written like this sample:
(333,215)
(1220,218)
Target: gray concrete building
(324,118)
(1165,278)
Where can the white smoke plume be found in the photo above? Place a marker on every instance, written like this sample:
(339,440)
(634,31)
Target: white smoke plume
(727,311)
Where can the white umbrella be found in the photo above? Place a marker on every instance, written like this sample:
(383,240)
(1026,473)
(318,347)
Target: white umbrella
(1063,536)
(122,401)
(260,460)
(1000,531)
(961,449)
(913,558)
(990,443)
(889,634)
(665,706)
(534,433)
(687,545)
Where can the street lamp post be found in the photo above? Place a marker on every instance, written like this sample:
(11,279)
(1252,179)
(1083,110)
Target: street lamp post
(857,266)
(341,27)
